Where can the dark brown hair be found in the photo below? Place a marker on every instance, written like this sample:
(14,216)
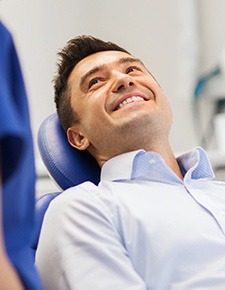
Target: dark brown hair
(75,50)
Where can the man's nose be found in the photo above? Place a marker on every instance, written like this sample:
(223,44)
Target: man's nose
(122,81)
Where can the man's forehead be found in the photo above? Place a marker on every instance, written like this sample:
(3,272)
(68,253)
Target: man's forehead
(99,59)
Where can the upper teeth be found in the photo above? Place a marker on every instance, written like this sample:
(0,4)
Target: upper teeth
(130,100)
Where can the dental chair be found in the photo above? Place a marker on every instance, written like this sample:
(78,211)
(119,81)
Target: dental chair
(66,165)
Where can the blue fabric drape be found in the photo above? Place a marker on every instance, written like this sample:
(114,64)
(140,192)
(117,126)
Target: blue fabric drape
(17,163)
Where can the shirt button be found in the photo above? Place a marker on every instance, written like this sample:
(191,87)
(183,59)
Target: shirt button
(151,161)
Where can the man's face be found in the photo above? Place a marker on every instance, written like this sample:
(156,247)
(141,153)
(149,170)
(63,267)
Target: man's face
(120,105)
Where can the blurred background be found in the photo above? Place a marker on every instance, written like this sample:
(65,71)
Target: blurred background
(182,43)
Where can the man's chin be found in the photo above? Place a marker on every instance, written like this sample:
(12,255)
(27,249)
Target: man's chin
(137,118)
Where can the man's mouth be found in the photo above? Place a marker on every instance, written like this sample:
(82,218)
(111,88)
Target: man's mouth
(130,100)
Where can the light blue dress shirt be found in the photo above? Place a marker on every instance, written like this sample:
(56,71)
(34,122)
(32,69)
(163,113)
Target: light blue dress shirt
(141,228)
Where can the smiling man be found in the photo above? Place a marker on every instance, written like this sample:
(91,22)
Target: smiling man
(116,94)
(154,221)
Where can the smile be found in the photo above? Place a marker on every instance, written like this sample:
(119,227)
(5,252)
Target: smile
(130,100)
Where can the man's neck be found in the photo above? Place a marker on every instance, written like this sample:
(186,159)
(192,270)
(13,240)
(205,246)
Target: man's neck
(165,151)
(167,154)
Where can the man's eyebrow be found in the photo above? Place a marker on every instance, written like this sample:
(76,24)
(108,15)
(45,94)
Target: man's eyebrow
(90,73)
(130,60)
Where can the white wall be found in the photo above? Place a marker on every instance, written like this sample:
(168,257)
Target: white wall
(212,32)
(176,39)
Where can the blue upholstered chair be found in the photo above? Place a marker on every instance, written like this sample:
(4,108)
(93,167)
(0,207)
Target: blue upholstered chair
(66,165)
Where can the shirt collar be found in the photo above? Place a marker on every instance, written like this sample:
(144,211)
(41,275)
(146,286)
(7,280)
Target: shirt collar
(195,164)
(119,167)
(142,165)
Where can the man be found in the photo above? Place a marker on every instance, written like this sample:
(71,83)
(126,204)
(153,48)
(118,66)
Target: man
(154,221)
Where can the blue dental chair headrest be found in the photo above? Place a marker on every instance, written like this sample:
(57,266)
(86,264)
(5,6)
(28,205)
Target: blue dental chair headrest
(66,165)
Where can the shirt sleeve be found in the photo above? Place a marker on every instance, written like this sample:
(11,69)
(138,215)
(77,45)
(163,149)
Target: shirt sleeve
(13,109)
(87,252)
(17,164)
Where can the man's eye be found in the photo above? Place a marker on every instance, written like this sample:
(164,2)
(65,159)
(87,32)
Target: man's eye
(93,82)
(132,69)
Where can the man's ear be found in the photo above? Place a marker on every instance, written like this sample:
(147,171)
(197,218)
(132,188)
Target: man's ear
(77,139)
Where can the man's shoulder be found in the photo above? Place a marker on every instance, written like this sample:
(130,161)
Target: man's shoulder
(85,194)
(73,204)
(75,193)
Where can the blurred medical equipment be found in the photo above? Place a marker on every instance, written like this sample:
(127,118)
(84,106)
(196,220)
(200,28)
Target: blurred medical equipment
(210,87)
